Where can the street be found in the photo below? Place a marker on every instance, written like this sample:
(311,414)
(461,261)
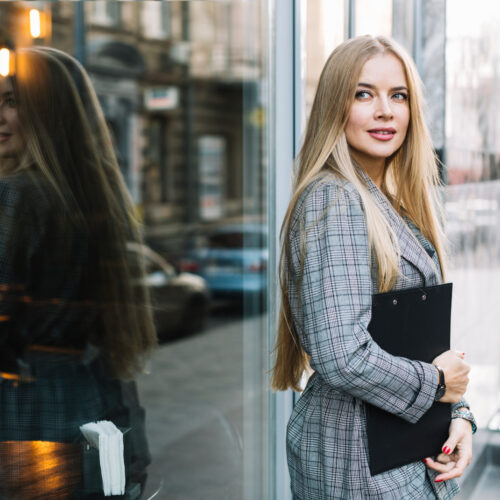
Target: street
(194,413)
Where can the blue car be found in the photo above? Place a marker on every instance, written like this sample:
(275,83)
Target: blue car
(234,261)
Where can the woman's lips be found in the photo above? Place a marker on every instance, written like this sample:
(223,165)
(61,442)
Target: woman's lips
(382,134)
(4,137)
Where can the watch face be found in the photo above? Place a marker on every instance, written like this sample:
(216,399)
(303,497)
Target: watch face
(440,392)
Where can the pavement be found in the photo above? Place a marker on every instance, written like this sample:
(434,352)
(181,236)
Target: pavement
(194,401)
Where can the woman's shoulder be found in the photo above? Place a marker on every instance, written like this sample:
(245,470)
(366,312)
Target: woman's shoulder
(325,191)
(24,190)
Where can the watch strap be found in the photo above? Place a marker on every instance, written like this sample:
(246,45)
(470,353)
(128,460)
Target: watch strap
(441,375)
(441,388)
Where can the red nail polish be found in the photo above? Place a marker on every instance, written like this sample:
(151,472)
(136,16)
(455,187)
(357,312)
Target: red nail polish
(437,480)
(424,460)
(446,450)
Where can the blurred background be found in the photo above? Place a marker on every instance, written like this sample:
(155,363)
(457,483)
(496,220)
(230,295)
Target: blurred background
(206,101)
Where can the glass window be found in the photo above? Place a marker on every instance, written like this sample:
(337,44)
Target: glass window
(188,113)
(473,193)
(206,396)
(325,23)
(373,18)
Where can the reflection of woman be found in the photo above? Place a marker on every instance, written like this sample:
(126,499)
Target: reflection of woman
(362,220)
(74,317)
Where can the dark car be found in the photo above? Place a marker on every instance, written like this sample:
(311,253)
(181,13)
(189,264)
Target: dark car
(181,301)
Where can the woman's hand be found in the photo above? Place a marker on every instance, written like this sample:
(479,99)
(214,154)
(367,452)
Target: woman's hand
(456,372)
(457,452)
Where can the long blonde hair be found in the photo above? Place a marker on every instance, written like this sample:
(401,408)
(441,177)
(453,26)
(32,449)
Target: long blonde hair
(68,146)
(410,181)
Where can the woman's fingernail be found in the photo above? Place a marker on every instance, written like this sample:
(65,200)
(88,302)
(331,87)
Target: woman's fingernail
(446,450)
(437,480)
(424,460)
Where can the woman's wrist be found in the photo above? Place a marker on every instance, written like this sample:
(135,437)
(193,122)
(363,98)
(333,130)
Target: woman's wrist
(464,413)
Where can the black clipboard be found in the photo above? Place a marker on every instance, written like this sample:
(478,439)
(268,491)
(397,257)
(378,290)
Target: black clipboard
(415,324)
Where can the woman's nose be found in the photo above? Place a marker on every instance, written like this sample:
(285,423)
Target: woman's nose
(383,109)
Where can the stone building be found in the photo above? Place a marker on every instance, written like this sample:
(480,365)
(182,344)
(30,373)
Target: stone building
(173,87)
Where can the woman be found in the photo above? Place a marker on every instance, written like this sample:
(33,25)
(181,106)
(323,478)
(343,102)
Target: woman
(75,318)
(362,220)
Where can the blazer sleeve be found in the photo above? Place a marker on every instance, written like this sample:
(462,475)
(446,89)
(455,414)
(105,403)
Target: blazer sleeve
(19,235)
(333,308)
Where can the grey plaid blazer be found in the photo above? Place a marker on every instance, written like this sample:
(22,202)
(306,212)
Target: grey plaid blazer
(326,434)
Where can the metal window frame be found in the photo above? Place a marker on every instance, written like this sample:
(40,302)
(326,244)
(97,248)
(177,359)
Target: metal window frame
(286,97)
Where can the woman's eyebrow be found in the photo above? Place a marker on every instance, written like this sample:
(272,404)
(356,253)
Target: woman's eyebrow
(370,86)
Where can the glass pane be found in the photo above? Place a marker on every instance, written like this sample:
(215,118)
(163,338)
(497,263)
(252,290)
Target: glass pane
(473,194)
(373,18)
(327,25)
(185,104)
(324,30)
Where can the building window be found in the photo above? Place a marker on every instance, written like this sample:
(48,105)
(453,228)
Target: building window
(212,168)
(156,175)
(105,13)
(155,19)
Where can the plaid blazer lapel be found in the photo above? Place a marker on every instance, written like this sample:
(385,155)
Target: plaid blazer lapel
(412,248)
(427,246)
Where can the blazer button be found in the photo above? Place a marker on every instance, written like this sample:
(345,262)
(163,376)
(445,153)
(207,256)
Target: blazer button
(395,302)
(424,297)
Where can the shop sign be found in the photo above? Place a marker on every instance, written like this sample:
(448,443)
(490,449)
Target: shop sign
(161,98)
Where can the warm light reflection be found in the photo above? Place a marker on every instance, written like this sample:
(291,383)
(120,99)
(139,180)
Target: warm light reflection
(39,469)
(16,377)
(4,62)
(35,27)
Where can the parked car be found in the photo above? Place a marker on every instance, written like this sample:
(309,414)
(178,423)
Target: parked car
(181,301)
(233,261)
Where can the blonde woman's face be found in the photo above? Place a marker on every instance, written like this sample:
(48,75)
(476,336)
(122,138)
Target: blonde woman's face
(379,117)
(11,139)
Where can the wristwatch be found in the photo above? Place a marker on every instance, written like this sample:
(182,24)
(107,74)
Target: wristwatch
(441,388)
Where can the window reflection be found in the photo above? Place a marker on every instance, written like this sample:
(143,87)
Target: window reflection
(182,87)
(473,194)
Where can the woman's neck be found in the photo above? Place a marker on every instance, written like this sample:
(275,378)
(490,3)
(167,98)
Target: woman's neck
(373,167)
(374,170)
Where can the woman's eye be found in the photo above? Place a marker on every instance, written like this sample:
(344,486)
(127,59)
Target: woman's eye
(362,94)
(11,102)
(400,96)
